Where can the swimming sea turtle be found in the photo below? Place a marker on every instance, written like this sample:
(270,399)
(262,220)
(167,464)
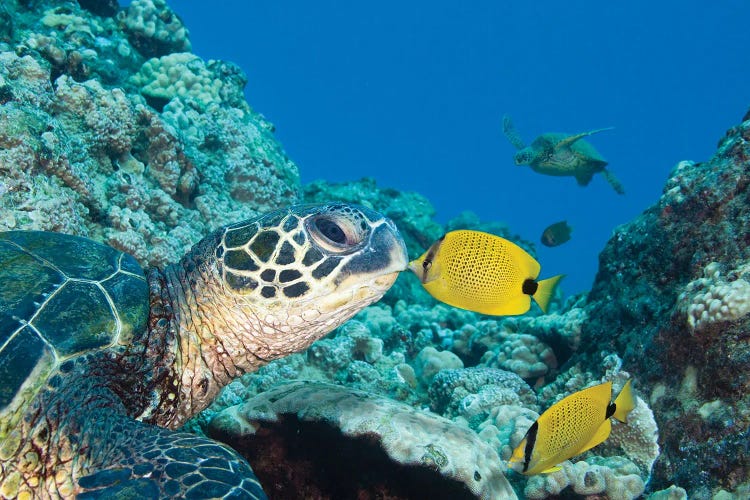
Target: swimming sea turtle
(99,363)
(561,155)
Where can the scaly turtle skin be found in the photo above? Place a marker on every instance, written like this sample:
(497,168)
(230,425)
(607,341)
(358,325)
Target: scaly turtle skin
(99,362)
(561,155)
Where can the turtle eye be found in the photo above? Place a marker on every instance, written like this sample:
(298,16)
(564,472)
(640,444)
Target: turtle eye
(335,232)
(331,230)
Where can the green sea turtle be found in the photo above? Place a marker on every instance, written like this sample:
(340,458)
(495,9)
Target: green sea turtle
(561,155)
(99,363)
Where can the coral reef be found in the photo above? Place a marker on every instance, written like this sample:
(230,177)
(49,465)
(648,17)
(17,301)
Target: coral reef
(617,479)
(418,441)
(153,28)
(147,155)
(111,128)
(712,298)
(657,277)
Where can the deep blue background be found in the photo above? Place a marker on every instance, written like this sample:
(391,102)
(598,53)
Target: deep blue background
(412,93)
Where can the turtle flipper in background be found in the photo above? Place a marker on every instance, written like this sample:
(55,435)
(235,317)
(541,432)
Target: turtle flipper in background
(511,133)
(613,181)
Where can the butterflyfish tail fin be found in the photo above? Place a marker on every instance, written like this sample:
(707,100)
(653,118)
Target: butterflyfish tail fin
(545,290)
(624,403)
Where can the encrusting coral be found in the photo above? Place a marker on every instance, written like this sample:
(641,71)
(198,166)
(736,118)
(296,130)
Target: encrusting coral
(416,440)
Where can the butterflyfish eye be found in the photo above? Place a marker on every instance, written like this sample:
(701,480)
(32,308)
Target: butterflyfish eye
(426,264)
(331,230)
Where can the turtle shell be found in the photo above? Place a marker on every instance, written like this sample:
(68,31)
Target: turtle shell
(61,296)
(584,153)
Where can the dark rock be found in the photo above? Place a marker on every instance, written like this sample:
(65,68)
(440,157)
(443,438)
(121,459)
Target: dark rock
(104,8)
(635,310)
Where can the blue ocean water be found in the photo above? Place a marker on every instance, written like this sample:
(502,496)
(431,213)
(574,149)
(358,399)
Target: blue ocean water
(412,94)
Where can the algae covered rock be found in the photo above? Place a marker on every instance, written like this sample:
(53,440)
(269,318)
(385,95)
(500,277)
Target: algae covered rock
(380,446)
(671,298)
(110,129)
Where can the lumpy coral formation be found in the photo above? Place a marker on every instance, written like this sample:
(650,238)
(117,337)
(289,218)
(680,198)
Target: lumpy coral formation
(713,298)
(111,128)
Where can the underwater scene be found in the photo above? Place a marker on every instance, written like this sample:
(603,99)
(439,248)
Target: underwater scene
(305,250)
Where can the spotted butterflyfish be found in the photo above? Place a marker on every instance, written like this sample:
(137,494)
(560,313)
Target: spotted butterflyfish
(569,427)
(483,273)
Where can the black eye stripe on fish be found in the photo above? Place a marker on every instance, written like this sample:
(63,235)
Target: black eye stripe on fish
(530,441)
(484,273)
(573,425)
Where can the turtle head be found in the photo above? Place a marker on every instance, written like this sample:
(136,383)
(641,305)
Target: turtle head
(524,157)
(295,274)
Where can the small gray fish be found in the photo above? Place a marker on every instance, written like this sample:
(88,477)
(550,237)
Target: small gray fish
(556,234)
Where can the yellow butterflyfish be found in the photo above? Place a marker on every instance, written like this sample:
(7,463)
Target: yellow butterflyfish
(483,273)
(569,427)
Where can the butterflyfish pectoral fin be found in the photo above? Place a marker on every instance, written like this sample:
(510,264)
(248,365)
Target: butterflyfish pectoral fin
(599,436)
(551,469)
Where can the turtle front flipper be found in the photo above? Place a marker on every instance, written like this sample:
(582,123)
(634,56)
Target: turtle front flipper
(571,139)
(151,462)
(583,178)
(613,181)
(510,132)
